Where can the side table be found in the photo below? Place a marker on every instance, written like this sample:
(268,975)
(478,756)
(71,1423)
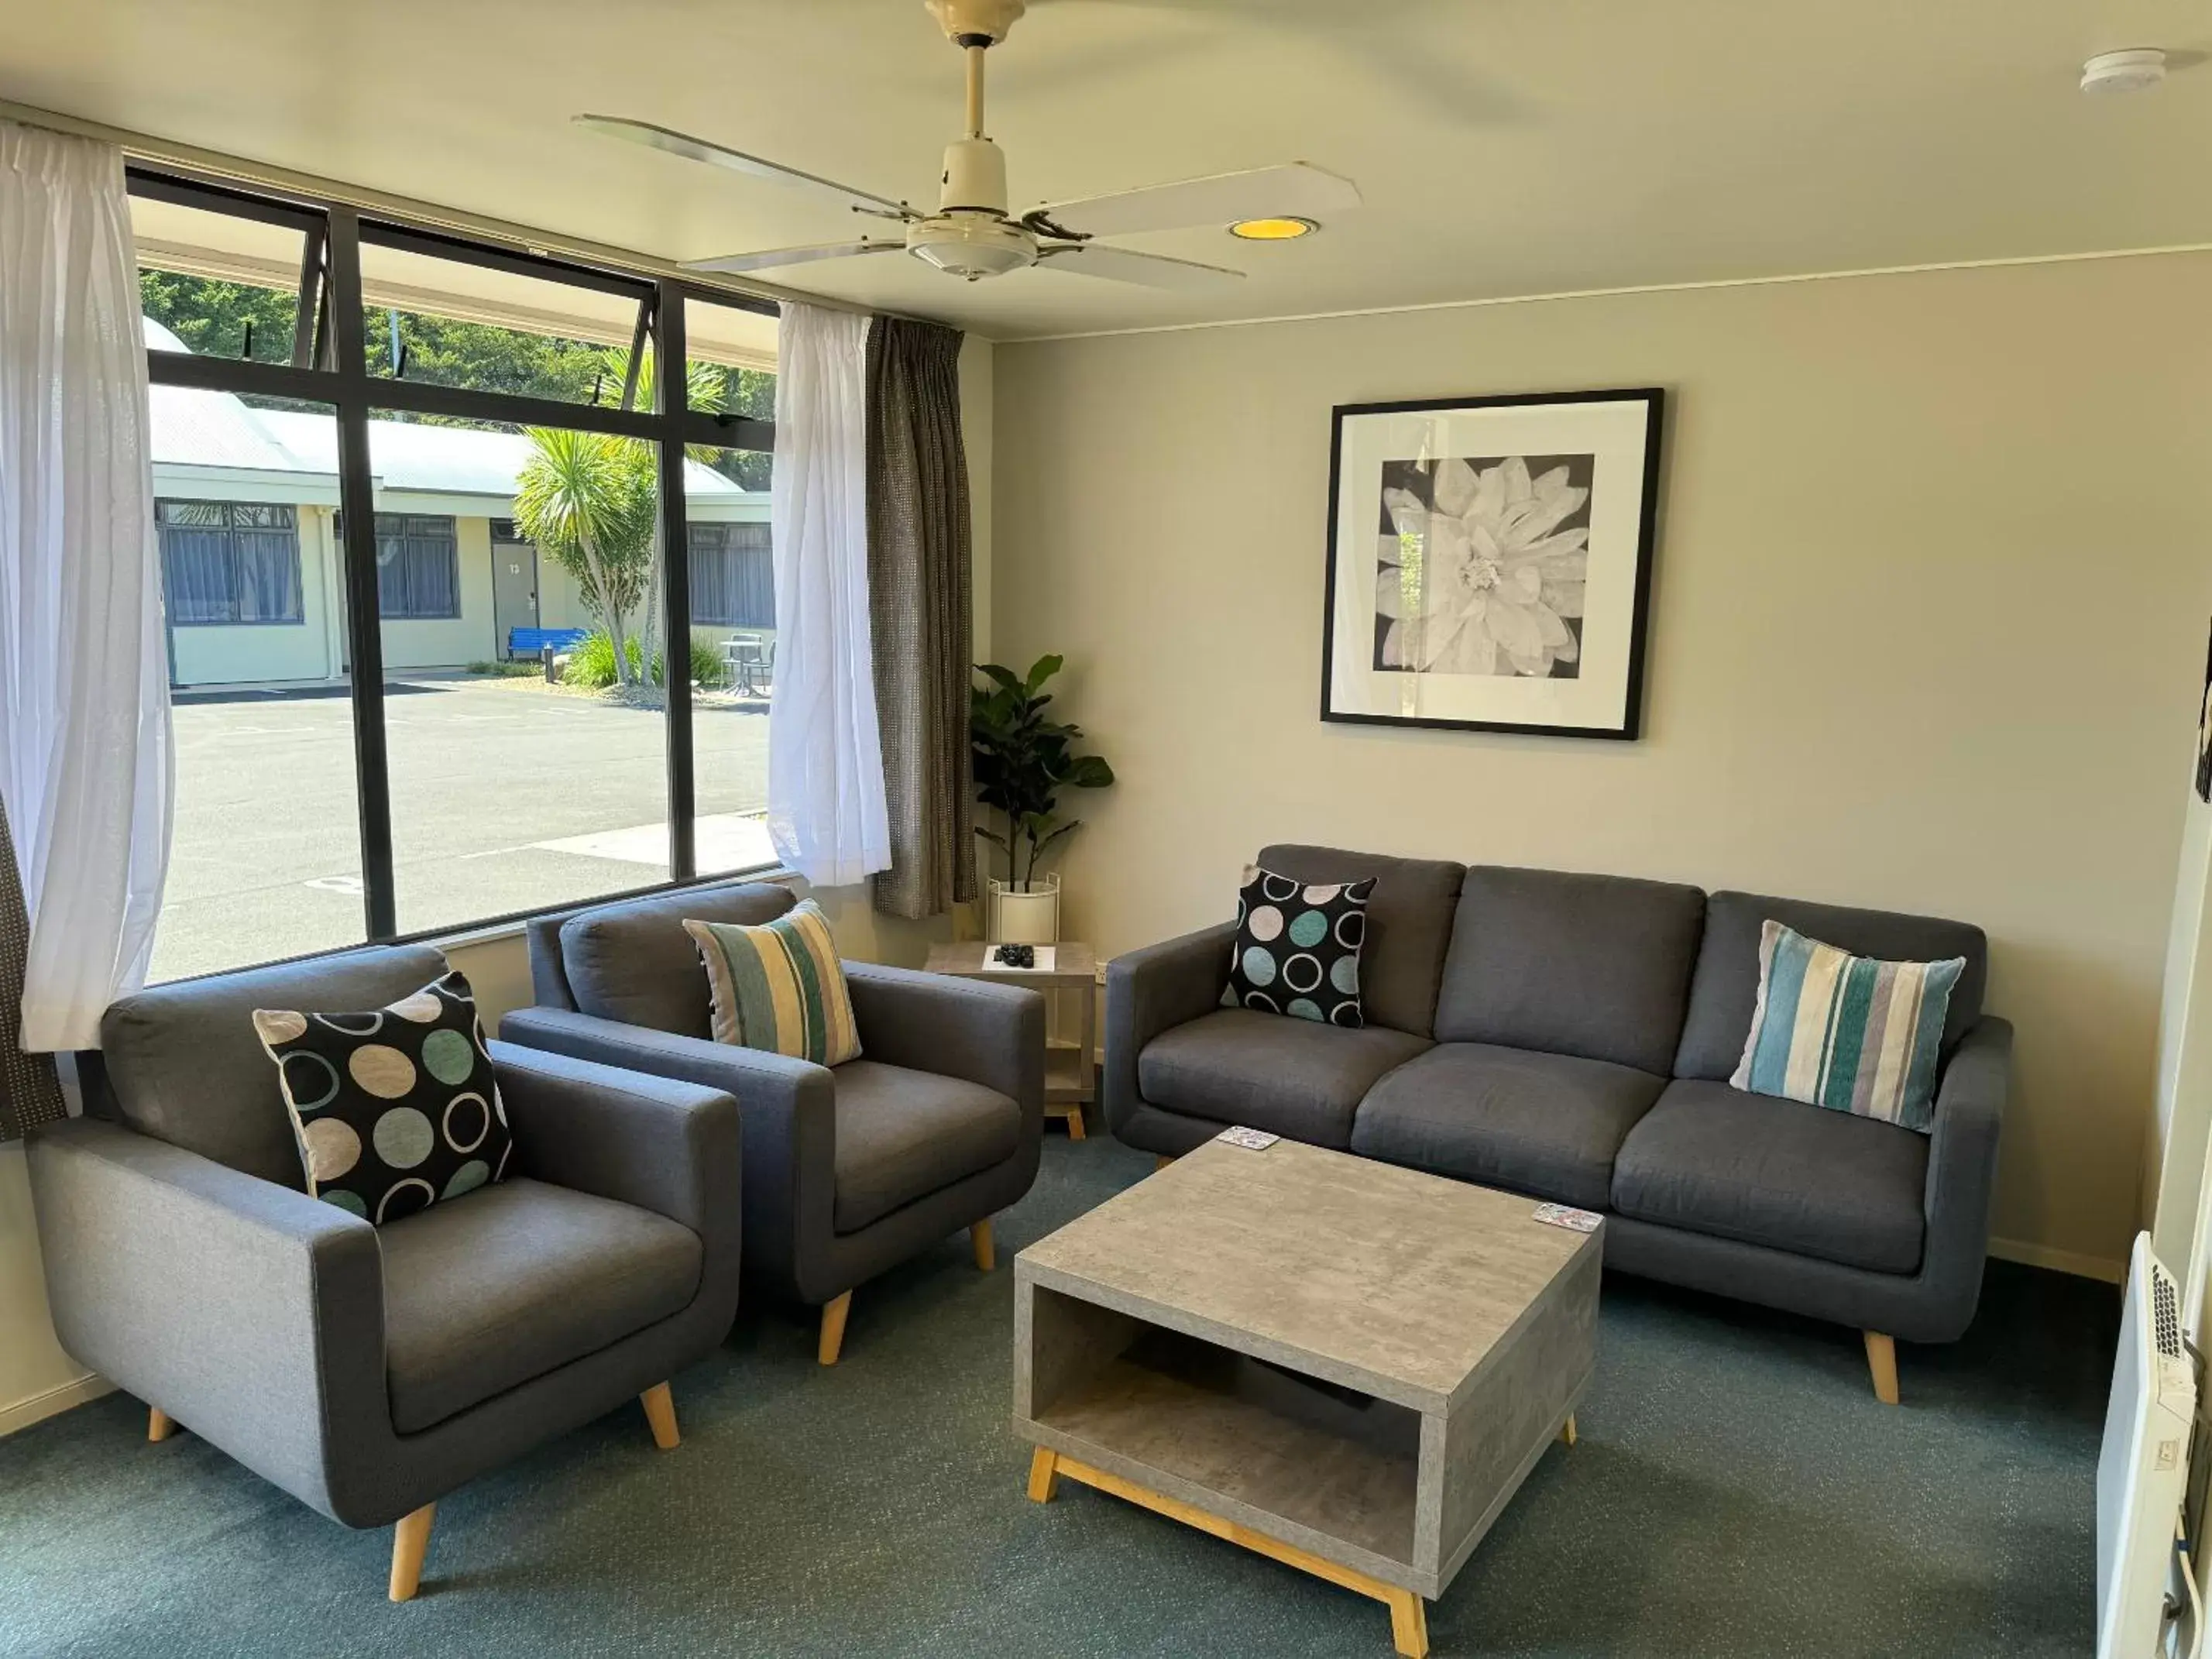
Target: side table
(1070,1068)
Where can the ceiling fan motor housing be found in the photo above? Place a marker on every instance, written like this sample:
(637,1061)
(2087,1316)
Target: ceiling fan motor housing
(971,244)
(974,178)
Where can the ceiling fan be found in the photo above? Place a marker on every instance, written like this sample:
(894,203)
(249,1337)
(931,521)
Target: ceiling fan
(971,235)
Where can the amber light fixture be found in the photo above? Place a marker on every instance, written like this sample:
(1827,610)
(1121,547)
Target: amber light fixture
(1273,230)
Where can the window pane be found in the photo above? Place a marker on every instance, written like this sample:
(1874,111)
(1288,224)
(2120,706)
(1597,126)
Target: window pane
(731,370)
(443,322)
(216,285)
(265,857)
(509,793)
(733,656)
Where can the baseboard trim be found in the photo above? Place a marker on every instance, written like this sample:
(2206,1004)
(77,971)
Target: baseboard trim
(53,1401)
(2063,1261)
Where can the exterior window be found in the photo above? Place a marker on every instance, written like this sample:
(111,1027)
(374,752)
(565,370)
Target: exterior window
(225,563)
(732,575)
(418,568)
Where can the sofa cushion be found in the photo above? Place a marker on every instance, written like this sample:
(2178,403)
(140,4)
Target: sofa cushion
(1290,1075)
(523,1278)
(1546,1124)
(1597,966)
(903,1134)
(1296,950)
(1409,918)
(634,962)
(1726,984)
(778,986)
(396,1107)
(1713,1159)
(183,1063)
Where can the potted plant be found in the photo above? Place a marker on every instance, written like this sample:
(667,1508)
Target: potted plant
(1022,761)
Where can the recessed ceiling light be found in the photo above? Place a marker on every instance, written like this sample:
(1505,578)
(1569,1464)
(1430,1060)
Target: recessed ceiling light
(1273,230)
(2124,71)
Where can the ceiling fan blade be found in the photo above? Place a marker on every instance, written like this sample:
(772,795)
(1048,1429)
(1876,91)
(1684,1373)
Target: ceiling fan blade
(768,258)
(1121,264)
(1293,189)
(700,149)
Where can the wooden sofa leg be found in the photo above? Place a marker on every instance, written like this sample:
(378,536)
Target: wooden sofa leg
(1881,1360)
(980,1236)
(833,1329)
(1160,1161)
(410,1541)
(660,1416)
(160,1426)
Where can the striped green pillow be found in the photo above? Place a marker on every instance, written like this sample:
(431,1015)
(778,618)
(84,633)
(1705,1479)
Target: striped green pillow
(779,987)
(1847,1032)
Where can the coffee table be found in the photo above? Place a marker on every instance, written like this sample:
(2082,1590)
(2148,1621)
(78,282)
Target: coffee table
(1345,1365)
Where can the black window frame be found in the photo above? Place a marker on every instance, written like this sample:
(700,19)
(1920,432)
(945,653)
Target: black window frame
(330,367)
(234,558)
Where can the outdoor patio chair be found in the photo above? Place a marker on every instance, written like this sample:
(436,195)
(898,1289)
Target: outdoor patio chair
(369,1370)
(847,1170)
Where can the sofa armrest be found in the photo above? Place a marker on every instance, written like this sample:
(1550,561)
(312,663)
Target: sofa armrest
(1962,1164)
(989,1034)
(250,1312)
(656,1143)
(1154,990)
(786,1117)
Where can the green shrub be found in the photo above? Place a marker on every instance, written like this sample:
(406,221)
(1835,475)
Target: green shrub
(504,670)
(592,663)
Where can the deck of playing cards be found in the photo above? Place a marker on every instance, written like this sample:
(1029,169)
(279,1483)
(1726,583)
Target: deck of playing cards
(1565,1215)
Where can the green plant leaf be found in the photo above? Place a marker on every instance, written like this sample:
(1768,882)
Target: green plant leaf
(1088,772)
(1043,670)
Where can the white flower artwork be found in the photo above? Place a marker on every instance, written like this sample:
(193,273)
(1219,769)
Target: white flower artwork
(1489,562)
(1483,565)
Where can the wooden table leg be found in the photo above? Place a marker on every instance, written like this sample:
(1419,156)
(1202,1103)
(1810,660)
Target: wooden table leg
(1409,1623)
(1042,1474)
(1567,1429)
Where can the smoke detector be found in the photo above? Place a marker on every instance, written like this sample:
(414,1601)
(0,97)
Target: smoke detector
(2132,71)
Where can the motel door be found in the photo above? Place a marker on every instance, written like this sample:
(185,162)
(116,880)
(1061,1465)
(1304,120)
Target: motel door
(513,582)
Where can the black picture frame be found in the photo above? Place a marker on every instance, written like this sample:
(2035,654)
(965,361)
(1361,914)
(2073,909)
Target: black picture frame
(1629,725)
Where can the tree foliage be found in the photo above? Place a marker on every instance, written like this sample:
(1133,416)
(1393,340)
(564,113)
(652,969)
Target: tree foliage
(211,318)
(587,499)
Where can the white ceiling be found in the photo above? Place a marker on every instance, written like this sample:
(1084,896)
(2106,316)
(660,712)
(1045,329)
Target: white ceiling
(1506,146)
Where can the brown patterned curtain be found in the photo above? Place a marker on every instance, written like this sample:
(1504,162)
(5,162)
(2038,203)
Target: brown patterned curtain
(29,1090)
(918,613)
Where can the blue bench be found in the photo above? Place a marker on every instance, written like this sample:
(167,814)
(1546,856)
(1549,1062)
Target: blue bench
(531,641)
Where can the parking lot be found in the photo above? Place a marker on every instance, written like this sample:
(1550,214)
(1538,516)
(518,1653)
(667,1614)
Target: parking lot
(506,795)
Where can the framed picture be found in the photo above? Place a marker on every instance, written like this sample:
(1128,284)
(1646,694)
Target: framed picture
(1490,562)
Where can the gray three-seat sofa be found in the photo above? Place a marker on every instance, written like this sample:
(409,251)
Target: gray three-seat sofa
(1572,1037)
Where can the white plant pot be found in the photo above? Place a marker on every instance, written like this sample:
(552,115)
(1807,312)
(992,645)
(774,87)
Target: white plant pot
(1025,913)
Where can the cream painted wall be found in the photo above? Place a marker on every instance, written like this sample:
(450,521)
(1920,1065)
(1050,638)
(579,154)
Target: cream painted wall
(1928,632)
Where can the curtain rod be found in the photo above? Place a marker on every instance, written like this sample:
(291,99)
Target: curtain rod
(237,169)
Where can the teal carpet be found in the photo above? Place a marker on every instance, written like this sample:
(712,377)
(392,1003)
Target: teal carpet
(1736,1491)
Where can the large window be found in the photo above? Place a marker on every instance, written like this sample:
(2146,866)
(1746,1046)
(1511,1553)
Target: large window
(431,460)
(229,563)
(732,577)
(418,567)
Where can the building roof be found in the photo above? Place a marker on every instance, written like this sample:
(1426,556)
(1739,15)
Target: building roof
(216,430)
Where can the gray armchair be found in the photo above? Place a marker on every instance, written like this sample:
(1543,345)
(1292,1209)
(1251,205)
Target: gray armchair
(369,1370)
(848,1171)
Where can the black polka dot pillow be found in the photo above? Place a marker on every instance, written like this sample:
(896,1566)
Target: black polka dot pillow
(396,1108)
(1297,947)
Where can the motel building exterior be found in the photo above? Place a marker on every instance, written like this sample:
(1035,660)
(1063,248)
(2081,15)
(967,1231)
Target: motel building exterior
(246,510)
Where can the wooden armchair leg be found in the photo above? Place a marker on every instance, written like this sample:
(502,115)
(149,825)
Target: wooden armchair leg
(980,1236)
(660,1416)
(833,1329)
(160,1426)
(1160,1161)
(410,1541)
(1881,1360)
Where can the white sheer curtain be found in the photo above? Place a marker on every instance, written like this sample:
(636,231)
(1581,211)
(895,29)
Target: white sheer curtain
(825,758)
(85,759)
